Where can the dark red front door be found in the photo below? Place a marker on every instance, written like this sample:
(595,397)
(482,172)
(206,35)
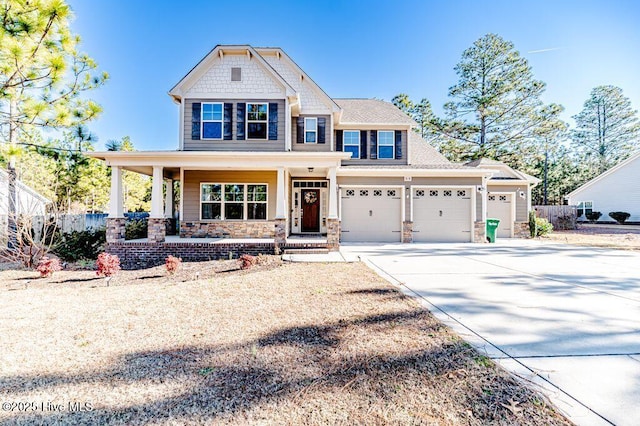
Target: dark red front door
(310,210)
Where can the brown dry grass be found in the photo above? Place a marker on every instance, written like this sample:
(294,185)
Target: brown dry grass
(295,344)
(608,236)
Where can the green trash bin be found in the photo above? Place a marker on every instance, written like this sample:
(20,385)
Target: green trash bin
(492,227)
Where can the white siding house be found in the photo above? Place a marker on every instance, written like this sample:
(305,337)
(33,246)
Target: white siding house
(28,200)
(617,189)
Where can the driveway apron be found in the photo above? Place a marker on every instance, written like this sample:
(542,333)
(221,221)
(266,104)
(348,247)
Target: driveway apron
(564,317)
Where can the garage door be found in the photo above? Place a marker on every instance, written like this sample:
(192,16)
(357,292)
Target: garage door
(499,207)
(371,214)
(442,214)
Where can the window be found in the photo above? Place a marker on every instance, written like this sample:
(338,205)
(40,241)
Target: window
(461,193)
(386,144)
(257,115)
(419,192)
(377,193)
(233,201)
(211,121)
(310,130)
(351,142)
(364,193)
(391,193)
(433,193)
(585,207)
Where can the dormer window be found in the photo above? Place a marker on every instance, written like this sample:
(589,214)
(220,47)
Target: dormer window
(310,130)
(211,121)
(257,121)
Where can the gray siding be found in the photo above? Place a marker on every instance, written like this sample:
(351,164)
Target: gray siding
(311,147)
(399,181)
(369,161)
(233,144)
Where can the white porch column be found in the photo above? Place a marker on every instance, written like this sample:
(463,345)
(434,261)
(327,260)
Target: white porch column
(280,195)
(116,205)
(156,194)
(168,199)
(333,194)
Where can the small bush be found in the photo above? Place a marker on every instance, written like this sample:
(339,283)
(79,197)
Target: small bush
(247,261)
(107,264)
(47,266)
(172,264)
(593,216)
(620,217)
(76,245)
(135,229)
(533,229)
(543,227)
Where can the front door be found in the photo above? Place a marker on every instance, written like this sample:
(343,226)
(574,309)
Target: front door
(310,210)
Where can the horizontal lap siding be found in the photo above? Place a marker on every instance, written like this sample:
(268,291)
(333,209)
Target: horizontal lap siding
(368,161)
(311,147)
(193,178)
(233,145)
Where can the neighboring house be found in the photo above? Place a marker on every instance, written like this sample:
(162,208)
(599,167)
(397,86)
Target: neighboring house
(28,201)
(615,190)
(264,152)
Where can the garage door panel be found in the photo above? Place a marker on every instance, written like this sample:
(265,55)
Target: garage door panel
(442,215)
(499,206)
(371,214)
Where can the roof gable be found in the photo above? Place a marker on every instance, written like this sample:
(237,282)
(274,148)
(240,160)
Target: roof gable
(624,164)
(212,74)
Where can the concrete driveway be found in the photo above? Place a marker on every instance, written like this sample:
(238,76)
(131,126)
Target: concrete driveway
(565,317)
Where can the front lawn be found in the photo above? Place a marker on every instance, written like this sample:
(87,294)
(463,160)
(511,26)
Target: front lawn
(290,344)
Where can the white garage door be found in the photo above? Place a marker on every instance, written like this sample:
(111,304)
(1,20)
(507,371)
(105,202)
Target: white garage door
(371,214)
(499,206)
(442,214)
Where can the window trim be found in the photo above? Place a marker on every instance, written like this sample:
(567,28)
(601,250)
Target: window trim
(202,121)
(265,121)
(245,202)
(584,209)
(307,130)
(393,144)
(344,145)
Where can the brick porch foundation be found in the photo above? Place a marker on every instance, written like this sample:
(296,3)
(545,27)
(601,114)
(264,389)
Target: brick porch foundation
(115,230)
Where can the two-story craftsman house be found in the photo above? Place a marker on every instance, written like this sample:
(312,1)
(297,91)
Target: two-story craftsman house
(264,153)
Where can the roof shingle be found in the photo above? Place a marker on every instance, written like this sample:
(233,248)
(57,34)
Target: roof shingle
(371,111)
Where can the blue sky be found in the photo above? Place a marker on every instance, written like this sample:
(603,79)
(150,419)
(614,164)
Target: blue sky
(350,48)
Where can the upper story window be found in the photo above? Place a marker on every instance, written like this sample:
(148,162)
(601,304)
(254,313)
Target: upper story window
(211,121)
(386,144)
(257,121)
(351,142)
(310,130)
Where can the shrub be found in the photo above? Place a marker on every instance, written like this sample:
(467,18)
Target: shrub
(533,229)
(76,245)
(135,229)
(593,216)
(107,264)
(620,217)
(247,261)
(172,264)
(543,227)
(47,266)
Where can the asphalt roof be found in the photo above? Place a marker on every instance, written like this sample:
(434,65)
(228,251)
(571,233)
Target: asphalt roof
(371,111)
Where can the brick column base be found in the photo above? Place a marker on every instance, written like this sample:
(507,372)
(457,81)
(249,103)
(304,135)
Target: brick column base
(479,232)
(115,229)
(333,234)
(407,231)
(156,230)
(280,237)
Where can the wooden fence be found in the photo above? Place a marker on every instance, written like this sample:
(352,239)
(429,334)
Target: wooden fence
(561,217)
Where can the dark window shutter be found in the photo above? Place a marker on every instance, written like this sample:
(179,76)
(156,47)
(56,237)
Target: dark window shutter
(195,120)
(398,144)
(374,145)
(363,144)
(322,124)
(228,113)
(300,130)
(273,121)
(241,106)
(338,140)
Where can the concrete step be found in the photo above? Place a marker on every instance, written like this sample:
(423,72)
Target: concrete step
(310,250)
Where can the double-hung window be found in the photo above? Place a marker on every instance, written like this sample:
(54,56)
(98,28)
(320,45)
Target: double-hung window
(310,130)
(584,208)
(233,201)
(351,142)
(257,121)
(386,144)
(211,121)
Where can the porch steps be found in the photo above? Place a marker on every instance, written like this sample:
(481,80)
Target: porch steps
(313,250)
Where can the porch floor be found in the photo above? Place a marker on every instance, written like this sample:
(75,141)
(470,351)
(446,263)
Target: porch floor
(293,239)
